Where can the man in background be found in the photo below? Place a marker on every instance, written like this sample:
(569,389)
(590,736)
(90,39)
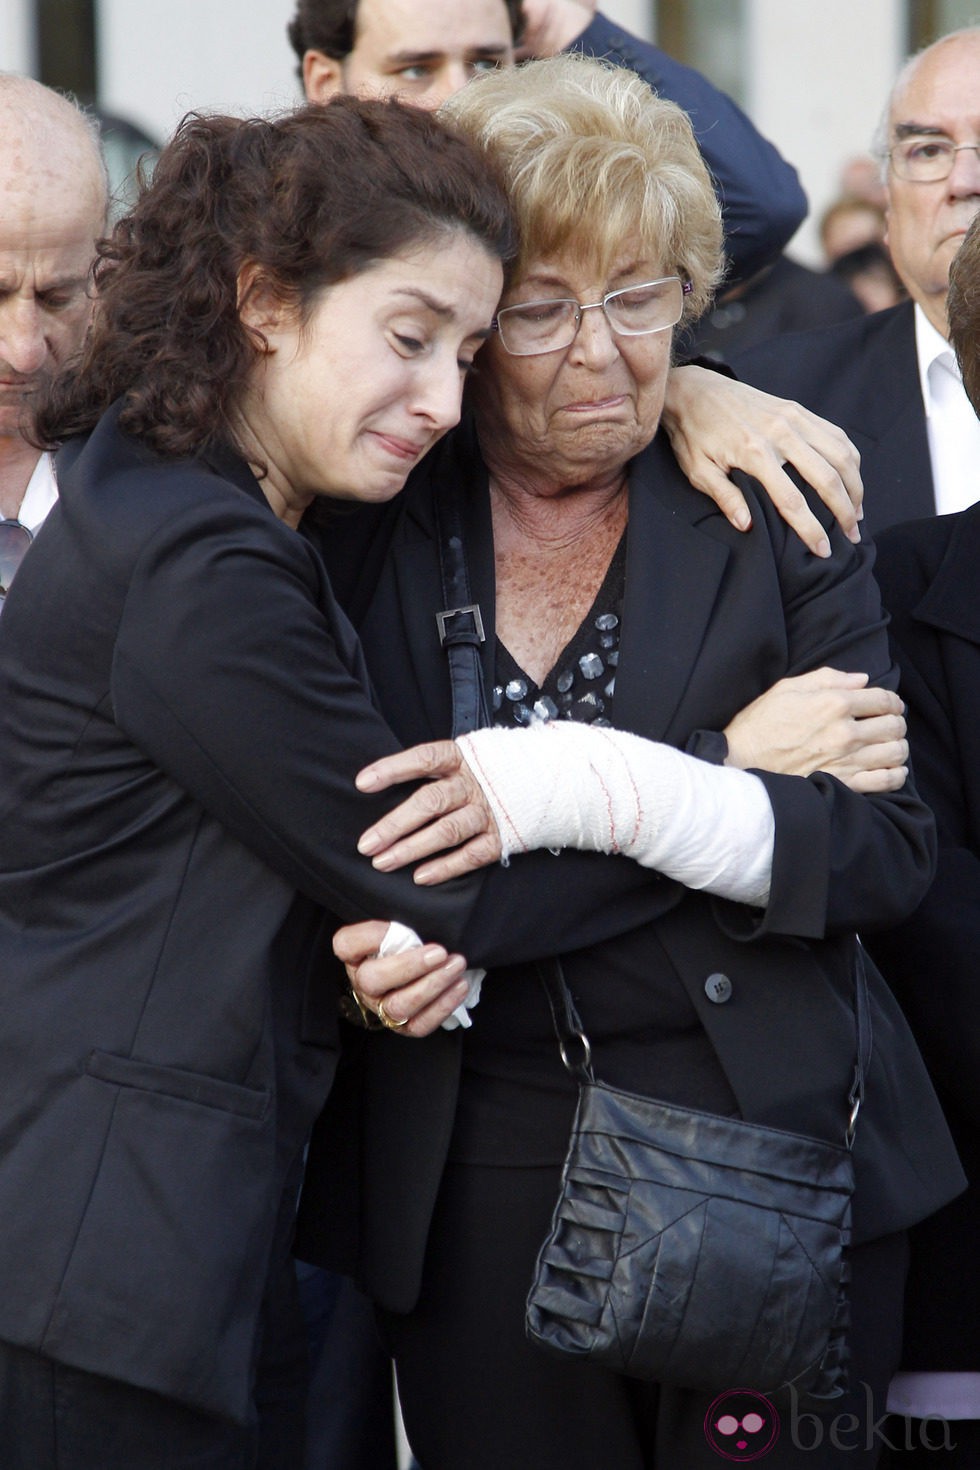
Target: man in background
(53,187)
(424,50)
(890,380)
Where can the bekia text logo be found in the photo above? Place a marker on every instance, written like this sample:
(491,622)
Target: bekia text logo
(741,1425)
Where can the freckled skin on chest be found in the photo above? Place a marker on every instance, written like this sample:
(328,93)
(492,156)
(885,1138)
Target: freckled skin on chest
(544,593)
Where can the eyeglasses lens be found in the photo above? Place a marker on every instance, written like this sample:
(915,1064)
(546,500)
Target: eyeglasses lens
(645,308)
(928,160)
(548,326)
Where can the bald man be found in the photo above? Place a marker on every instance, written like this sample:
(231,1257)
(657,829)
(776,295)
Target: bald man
(891,380)
(54,192)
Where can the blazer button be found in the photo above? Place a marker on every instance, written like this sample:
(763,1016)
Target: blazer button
(718,988)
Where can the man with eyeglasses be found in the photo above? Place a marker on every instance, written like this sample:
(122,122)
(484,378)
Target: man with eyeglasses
(890,380)
(53,187)
(424,50)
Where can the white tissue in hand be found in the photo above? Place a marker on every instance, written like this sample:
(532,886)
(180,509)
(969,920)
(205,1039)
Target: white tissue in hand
(398,938)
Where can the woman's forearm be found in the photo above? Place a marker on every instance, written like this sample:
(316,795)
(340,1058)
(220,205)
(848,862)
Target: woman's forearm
(584,786)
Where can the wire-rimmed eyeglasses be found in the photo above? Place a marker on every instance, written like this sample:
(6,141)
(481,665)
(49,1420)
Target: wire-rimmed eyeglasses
(535,327)
(15,540)
(923,159)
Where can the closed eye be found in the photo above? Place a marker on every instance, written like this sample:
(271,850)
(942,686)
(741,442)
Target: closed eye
(541,312)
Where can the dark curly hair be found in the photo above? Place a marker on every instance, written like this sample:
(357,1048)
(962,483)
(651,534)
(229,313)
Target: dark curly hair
(329,26)
(308,200)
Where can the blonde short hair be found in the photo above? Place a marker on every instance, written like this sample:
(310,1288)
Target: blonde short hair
(592,157)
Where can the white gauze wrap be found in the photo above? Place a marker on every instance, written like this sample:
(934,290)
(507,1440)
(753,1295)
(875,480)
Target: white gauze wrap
(559,784)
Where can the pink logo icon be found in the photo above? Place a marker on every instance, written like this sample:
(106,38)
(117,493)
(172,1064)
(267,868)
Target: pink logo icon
(741,1425)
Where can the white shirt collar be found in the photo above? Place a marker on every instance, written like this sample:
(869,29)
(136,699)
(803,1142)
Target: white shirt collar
(952,427)
(930,347)
(40,495)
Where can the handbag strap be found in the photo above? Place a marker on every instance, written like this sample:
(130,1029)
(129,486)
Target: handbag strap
(460,623)
(576,1052)
(862,1022)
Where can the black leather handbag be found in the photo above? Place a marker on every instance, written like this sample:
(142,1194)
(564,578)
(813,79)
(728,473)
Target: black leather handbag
(693,1249)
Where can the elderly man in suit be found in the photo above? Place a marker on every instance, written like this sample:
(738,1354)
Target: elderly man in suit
(890,380)
(927,572)
(53,185)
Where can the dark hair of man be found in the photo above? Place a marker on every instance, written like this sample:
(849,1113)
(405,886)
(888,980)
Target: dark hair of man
(329,26)
(305,201)
(963,309)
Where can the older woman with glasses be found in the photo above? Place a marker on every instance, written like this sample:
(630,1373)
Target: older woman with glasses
(606,591)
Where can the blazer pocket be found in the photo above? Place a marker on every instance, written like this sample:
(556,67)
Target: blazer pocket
(191,1087)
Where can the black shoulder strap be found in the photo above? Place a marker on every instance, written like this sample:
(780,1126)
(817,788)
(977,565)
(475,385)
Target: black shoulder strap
(460,623)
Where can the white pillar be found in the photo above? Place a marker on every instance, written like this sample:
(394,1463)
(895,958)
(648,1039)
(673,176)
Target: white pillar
(16,37)
(635,16)
(819,77)
(160,58)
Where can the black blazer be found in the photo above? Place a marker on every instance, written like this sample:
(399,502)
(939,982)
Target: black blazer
(928,576)
(183,708)
(711,619)
(864,376)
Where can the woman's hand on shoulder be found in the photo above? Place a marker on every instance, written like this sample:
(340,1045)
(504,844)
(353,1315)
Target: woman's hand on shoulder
(447,820)
(717,424)
(825,720)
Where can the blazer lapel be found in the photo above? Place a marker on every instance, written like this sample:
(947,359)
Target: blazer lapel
(950,603)
(673,575)
(888,424)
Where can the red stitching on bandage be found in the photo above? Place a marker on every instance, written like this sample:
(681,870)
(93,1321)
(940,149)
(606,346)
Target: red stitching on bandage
(637,800)
(474,756)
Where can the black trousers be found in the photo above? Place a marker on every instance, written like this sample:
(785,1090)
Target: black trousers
(477,1396)
(58,1418)
(919,1444)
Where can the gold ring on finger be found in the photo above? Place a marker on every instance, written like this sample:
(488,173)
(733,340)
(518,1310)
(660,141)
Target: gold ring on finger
(387,1021)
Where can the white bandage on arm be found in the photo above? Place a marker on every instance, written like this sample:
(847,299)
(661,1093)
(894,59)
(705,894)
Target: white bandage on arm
(565,785)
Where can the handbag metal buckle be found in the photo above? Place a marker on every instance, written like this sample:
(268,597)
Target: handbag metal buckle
(476,630)
(855,1097)
(582,1069)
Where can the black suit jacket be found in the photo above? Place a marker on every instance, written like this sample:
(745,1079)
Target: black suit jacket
(183,709)
(711,619)
(862,375)
(928,575)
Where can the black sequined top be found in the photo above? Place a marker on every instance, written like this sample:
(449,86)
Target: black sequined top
(582,683)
